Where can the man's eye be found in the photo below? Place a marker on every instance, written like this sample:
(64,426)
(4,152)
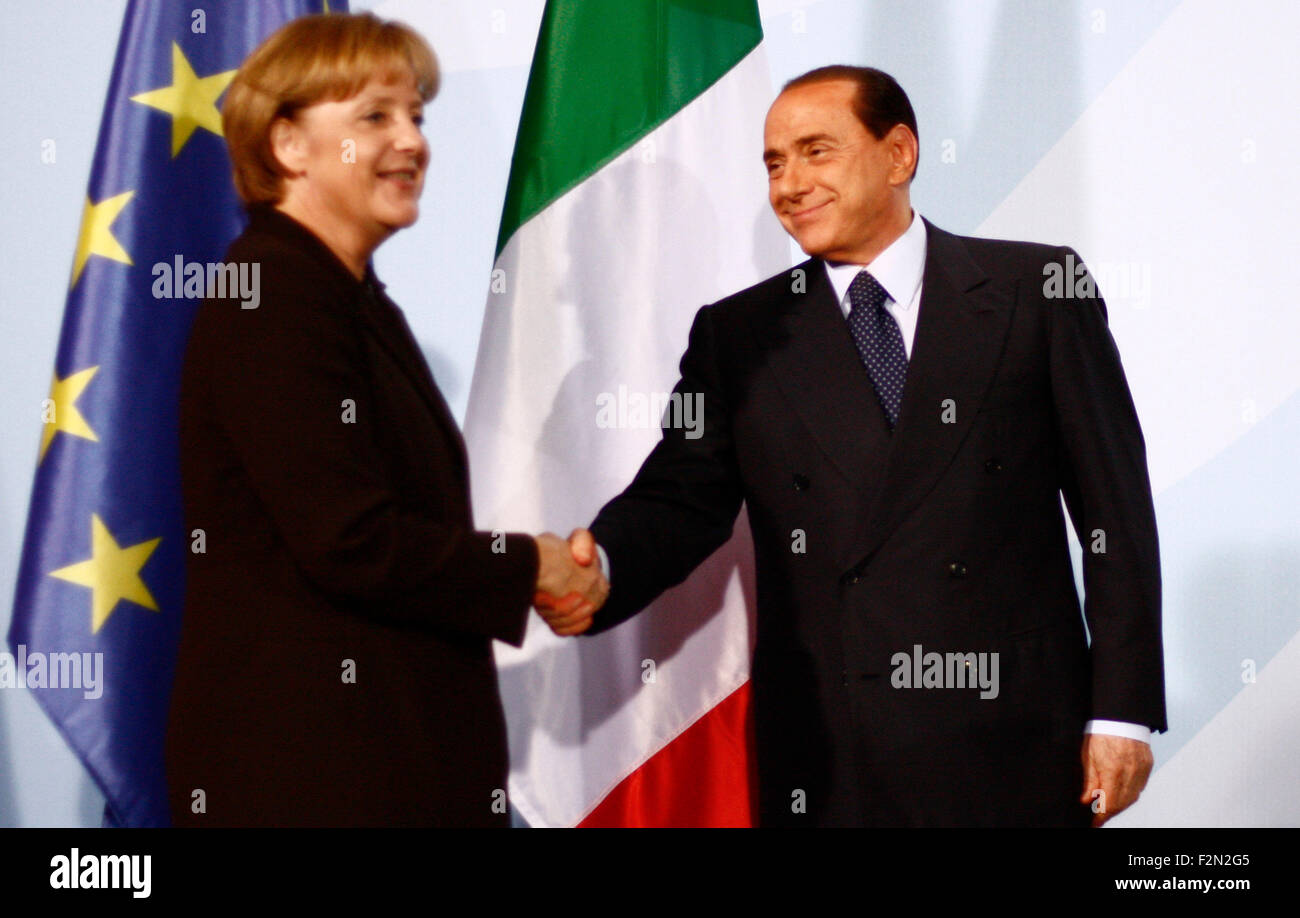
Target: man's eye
(375,116)
(418,119)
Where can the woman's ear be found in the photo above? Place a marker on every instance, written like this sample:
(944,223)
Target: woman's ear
(289,146)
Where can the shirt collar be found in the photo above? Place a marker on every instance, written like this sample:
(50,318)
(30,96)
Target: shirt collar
(899,268)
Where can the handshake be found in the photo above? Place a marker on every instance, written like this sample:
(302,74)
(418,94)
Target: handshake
(571,587)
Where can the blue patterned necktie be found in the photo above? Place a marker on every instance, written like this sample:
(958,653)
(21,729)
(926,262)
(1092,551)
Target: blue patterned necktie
(879,341)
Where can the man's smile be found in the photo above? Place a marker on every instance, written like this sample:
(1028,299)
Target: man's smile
(807,212)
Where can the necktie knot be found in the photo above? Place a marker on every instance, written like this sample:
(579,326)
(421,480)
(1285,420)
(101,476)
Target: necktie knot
(866,293)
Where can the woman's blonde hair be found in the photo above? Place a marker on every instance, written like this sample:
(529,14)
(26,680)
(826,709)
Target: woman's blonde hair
(314,59)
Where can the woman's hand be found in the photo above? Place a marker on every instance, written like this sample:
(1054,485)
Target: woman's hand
(571,587)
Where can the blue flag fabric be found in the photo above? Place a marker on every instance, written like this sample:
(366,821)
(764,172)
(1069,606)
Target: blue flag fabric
(97,607)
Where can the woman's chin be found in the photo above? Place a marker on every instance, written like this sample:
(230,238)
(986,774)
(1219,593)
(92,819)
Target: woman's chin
(401,217)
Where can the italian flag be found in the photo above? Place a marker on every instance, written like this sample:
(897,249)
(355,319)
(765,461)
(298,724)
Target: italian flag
(636,195)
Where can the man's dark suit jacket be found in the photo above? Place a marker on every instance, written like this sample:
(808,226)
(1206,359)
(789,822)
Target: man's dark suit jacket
(331,485)
(947,534)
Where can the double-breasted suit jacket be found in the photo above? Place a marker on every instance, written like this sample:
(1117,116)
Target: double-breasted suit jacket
(945,535)
(335,664)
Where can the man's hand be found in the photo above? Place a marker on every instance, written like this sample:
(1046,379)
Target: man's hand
(571,587)
(1118,767)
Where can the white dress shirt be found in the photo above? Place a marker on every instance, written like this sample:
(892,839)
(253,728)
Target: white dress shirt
(899,269)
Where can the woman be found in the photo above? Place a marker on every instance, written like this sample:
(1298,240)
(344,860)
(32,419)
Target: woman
(335,664)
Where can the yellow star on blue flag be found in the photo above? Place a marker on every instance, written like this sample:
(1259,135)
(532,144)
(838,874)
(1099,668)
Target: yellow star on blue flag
(96,234)
(112,573)
(191,100)
(64,416)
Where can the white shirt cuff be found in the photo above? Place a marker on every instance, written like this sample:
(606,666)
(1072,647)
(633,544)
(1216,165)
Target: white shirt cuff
(1119,728)
(604,562)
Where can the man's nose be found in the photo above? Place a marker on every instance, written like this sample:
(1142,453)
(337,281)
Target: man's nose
(793,181)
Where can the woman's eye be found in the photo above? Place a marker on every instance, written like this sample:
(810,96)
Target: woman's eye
(375,116)
(418,119)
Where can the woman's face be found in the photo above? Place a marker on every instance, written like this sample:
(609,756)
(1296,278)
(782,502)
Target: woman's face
(359,163)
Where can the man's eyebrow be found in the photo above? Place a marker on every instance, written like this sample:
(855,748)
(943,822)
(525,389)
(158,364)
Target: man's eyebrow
(804,141)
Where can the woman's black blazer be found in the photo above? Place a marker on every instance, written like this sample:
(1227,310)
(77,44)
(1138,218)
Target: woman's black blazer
(335,663)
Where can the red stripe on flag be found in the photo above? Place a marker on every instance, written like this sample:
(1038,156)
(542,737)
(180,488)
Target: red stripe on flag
(704,778)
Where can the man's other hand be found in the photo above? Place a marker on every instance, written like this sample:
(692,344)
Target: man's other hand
(1116,766)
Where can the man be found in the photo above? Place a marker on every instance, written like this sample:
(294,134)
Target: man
(901,437)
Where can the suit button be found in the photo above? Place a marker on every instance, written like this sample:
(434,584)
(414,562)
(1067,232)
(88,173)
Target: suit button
(852,577)
(801,483)
(993,466)
(957,569)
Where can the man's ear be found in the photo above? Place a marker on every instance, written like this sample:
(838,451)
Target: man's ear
(288,146)
(903,153)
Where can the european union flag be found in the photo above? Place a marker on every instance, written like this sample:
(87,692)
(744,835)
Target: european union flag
(97,607)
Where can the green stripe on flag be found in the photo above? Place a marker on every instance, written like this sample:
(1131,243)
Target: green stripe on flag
(605,74)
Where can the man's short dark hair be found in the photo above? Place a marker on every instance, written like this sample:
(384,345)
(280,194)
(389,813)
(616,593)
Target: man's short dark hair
(880,102)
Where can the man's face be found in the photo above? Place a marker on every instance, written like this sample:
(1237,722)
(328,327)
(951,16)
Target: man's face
(840,192)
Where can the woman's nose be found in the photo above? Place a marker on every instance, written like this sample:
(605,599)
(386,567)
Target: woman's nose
(409,136)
